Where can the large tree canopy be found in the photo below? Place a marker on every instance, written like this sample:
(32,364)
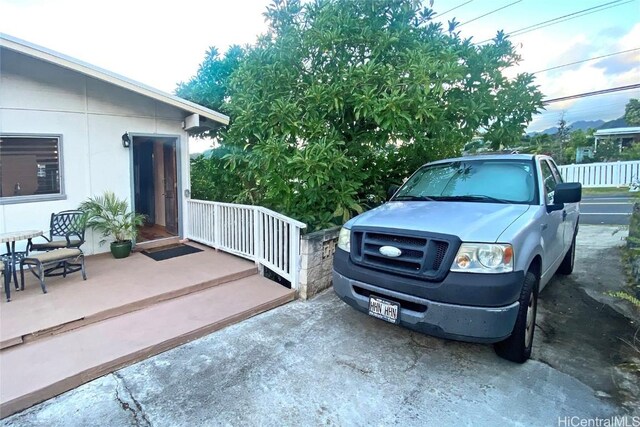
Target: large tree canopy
(632,112)
(340,99)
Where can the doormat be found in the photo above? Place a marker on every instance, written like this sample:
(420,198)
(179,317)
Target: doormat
(171,251)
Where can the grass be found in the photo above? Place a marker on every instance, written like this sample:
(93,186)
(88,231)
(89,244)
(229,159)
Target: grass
(606,190)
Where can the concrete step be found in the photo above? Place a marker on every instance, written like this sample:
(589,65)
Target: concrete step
(112,289)
(36,371)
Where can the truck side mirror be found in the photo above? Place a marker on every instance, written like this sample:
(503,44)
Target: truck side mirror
(392,190)
(568,192)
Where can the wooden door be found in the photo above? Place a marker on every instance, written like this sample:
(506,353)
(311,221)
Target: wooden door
(170,188)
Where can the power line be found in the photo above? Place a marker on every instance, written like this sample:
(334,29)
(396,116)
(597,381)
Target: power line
(586,60)
(454,8)
(570,18)
(563,18)
(597,92)
(493,11)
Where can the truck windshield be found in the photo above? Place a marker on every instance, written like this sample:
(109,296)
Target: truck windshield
(488,181)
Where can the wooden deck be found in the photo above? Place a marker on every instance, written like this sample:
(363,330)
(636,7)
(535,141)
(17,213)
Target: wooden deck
(125,311)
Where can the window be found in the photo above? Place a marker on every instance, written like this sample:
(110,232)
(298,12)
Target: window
(481,180)
(29,168)
(549,181)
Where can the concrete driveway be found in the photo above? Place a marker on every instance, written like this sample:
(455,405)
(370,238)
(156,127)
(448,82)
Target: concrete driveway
(323,363)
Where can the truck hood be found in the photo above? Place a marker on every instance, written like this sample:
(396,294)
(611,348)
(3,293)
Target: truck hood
(470,221)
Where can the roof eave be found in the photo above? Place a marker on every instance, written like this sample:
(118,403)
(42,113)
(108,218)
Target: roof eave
(61,60)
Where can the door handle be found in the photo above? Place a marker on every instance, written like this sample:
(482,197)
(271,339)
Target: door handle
(544,227)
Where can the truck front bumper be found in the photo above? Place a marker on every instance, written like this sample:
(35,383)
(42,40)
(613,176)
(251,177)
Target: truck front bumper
(452,321)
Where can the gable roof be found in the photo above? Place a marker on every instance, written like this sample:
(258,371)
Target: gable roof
(44,54)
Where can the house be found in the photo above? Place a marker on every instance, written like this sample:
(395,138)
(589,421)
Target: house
(623,137)
(70,130)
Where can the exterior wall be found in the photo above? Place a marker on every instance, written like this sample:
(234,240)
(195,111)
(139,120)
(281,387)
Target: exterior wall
(90,115)
(316,252)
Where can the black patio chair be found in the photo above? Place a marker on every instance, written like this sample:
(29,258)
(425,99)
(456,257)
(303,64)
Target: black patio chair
(66,230)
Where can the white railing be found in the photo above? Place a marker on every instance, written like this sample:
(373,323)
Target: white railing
(270,239)
(612,174)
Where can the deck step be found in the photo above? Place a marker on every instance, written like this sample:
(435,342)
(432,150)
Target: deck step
(111,290)
(34,372)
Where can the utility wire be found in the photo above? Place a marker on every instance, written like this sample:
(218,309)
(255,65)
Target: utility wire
(493,11)
(454,8)
(568,15)
(597,92)
(570,18)
(586,60)
(563,18)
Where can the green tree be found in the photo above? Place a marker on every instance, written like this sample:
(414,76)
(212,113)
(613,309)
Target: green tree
(632,112)
(210,85)
(340,99)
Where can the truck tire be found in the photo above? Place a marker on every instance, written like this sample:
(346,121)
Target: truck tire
(517,348)
(566,267)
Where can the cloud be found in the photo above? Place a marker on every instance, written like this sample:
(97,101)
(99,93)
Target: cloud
(620,64)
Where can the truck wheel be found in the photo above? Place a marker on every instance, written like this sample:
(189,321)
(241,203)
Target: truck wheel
(517,348)
(567,263)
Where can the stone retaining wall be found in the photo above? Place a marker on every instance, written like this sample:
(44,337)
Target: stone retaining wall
(633,243)
(316,252)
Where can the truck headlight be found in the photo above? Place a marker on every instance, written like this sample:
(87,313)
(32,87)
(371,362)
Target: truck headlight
(483,258)
(344,239)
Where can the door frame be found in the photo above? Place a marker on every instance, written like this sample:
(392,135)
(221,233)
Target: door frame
(179,169)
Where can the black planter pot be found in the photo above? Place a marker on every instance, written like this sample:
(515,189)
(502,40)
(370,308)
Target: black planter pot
(121,249)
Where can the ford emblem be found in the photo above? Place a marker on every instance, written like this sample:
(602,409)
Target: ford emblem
(390,251)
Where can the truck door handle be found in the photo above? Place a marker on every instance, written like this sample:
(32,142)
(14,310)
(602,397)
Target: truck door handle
(564,215)
(544,227)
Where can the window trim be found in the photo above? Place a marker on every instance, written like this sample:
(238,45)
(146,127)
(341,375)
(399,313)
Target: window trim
(12,200)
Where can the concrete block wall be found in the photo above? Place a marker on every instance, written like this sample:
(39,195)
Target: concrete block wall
(316,252)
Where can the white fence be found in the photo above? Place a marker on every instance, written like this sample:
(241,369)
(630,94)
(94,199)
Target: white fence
(253,232)
(613,174)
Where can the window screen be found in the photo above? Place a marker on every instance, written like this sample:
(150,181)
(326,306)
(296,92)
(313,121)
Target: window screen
(29,166)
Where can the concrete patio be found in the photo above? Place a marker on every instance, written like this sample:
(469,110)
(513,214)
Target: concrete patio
(125,311)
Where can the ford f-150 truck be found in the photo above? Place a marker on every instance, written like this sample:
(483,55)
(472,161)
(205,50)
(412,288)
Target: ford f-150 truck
(462,248)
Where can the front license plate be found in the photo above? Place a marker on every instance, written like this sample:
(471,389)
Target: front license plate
(383,309)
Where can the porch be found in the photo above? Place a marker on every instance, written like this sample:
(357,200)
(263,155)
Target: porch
(125,311)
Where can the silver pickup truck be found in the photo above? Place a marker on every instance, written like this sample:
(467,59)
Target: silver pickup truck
(462,249)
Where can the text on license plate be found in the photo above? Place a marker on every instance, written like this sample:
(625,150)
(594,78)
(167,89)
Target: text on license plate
(383,309)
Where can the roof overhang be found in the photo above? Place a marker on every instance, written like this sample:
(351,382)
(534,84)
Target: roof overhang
(618,131)
(44,54)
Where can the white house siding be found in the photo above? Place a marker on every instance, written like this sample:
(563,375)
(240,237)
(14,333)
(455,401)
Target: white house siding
(37,97)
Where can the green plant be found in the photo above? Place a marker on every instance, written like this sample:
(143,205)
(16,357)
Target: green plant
(110,217)
(627,297)
(340,99)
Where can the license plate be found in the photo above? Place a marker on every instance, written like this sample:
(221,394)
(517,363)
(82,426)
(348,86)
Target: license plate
(383,309)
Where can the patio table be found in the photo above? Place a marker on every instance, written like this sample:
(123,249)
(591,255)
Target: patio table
(12,256)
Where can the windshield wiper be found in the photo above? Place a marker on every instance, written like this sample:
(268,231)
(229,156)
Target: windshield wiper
(413,198)
(474,198)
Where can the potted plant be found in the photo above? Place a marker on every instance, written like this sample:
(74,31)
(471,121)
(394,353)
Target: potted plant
(110,217)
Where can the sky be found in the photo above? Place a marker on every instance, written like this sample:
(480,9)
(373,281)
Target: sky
(161,43)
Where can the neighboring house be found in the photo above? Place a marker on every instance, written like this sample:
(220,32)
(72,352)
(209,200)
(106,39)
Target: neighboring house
(70,130)
(624,137)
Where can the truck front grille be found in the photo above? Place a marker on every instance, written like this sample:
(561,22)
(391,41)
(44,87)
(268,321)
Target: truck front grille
(421,255)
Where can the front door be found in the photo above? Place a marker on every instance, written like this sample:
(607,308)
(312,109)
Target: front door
(170,188)
(156,186)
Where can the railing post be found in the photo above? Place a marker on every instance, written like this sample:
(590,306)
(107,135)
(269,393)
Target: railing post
(216,226)
(294,256)
(257,238)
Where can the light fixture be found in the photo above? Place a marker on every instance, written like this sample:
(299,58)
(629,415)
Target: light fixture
(126,141)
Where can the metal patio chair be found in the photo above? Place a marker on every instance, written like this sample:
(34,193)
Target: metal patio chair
(66,231)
